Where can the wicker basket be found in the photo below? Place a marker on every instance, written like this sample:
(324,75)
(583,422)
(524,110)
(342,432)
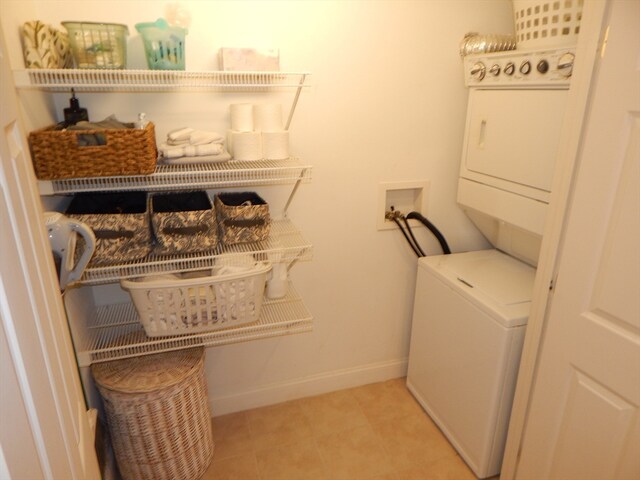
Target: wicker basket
(243,217)
(183,222)
(158,415)
(58,153)
(172,305)
(120,222)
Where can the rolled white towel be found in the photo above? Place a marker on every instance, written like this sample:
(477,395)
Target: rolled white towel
(180,135)
(169,151)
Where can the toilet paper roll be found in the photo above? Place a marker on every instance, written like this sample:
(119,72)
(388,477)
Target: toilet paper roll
(242,117)
(267,117)
(275,145)
(246,145)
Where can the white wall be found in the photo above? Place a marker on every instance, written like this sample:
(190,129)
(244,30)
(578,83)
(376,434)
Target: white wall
(387,103)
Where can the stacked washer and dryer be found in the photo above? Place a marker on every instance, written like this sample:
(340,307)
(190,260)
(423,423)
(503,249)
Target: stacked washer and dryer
(471,309)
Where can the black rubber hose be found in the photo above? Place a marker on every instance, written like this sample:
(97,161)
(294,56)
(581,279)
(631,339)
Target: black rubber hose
(406,237)
(433,229)
(415,242)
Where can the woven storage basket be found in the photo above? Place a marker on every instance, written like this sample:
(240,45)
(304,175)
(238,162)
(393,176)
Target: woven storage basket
(158,415)
(58,153)
(172,305)
(243,217)
(183,222)
(120,222)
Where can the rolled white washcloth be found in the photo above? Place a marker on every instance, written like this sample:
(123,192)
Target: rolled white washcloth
(275,145)
(194,137)
(267,117)
(241,117)
(180,135)
(170,151)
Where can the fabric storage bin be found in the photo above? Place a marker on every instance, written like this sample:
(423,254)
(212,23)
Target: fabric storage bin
(242,217)
(120,222)
(157,414)
(61,154)
(199,302)
(183,222)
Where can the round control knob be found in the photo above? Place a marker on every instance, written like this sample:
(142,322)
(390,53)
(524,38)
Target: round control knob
(543,66)
(565,64)
(525,67)
(509,68)
(495,70)
(478,71)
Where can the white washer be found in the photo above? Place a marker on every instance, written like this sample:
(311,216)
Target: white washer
(469,320)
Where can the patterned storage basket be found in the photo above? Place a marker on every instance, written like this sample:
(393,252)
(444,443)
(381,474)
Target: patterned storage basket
(73,154)
(158,415)
(119,221)
(195,302)
(183,222)
(242,217)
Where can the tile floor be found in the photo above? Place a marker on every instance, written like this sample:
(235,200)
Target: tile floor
(374,432)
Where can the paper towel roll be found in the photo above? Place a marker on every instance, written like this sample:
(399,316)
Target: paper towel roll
(246,145)
(242,117)
(275,145)
(267,117)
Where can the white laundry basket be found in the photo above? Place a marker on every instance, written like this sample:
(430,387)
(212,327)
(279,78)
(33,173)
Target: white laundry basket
(547,23)
(181,304)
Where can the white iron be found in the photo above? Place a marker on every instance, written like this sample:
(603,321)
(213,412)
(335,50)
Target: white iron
(62,232)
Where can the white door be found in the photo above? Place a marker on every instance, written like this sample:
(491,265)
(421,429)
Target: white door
(584,418)
(44,427)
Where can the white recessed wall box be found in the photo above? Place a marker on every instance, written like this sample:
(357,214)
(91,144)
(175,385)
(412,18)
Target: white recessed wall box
(405,197)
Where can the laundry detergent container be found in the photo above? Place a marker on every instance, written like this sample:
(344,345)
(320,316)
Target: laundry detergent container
(157,414)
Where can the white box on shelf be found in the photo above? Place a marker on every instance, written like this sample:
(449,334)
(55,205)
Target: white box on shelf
(250,59)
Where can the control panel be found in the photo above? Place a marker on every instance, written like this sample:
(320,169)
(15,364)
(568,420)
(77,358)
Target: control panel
(520,69)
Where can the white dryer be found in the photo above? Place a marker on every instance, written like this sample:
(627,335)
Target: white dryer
(471,309)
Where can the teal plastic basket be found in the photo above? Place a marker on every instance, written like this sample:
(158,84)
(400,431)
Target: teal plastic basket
(164,45)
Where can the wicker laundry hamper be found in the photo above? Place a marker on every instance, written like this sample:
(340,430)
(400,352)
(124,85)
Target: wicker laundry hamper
(157,414)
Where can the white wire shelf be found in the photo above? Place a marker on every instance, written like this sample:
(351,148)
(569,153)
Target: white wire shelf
(285,240)
(86,80)
(115,332)
(195,176)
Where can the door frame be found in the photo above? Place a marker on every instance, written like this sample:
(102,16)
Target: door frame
(590,44)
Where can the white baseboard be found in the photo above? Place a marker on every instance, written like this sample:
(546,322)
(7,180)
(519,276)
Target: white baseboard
(308,386)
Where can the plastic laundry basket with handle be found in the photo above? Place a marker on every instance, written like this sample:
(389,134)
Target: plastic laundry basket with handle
(164,45)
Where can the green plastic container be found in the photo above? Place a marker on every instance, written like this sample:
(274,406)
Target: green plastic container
(98,45)
(164,45)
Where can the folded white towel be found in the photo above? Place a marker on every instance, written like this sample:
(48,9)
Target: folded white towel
(221,157)
(171,151)
(200,137)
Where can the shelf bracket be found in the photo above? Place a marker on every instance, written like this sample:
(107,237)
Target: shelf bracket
(293,192)
(295,100)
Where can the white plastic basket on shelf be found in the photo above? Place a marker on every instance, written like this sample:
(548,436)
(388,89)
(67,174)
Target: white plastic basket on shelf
(547,23)
(189,303)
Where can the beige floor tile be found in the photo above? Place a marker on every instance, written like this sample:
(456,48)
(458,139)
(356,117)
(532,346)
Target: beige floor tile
(446,468)
(332,412)
(242,467)
(232,436)
(354,454)
(278,425)
(386,400)
(412,439)
(297,461)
